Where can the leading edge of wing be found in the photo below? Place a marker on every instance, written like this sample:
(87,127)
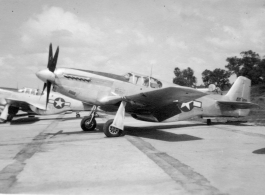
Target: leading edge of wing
(238,105)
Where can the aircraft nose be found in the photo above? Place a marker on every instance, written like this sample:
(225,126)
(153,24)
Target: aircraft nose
(46,75)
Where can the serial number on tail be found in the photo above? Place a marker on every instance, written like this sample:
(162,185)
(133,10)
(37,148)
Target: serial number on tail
(238,99)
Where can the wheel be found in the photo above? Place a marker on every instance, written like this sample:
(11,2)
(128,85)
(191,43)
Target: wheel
(9,117)
(77,115)
(209,122)
(110,131)
(86,125)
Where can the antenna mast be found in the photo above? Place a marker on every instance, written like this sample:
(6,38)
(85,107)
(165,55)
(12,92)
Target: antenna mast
(151,72)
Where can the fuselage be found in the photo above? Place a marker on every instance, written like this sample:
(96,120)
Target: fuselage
(91,87)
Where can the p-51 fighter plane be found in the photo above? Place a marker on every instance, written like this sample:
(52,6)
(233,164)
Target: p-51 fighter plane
(144,97)
(34,103)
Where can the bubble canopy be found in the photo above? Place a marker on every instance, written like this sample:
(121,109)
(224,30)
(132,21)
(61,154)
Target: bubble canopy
(29,91)
(143,80)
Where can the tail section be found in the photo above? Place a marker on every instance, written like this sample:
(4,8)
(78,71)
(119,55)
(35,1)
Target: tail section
(240,91)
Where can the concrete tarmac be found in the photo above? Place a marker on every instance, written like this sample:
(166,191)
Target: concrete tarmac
(51,155)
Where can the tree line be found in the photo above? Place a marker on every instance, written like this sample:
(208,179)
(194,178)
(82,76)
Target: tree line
(249,65)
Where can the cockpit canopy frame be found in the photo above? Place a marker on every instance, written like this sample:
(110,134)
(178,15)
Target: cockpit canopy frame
(143,80)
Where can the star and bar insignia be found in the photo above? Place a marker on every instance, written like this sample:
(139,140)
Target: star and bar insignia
(59,103)
(188,106)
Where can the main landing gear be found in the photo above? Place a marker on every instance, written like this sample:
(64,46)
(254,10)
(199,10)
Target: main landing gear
(111,131)
(112,128)
(89,123)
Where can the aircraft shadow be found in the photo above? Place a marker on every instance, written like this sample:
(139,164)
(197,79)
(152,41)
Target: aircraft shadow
(157,134)
(24,121)
(99,129)
(151,132)
(30,120)
(235,123)
(259,151)
(74,132)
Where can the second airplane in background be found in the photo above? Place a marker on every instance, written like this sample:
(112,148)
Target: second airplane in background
(32,102)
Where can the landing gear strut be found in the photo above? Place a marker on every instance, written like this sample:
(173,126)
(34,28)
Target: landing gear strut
(114,127)
(78,115)
(209,122)
(89,123)
(10,117)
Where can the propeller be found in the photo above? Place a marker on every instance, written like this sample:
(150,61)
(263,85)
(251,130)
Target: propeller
(52,61)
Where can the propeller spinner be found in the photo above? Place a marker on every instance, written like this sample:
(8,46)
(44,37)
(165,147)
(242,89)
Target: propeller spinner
(47,76)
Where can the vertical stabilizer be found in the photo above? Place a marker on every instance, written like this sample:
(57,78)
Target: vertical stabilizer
(240,91)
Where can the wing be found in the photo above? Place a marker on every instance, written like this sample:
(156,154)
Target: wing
(19,103)
(160,103)
(166,96)
(156,98)
(238,105)
(110,100)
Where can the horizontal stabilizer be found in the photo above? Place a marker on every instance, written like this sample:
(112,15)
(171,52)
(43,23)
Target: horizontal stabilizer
(238,105)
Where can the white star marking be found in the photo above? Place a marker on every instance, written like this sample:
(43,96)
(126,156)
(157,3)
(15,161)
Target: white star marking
(59,103)
(186,105)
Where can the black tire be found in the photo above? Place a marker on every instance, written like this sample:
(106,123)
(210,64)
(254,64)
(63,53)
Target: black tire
(78,115)
(9,117)
(111,131)
(209,122)
(86,126)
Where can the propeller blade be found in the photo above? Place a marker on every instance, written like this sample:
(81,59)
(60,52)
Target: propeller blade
(48,92)
(44,87)
(50,59)
(54,62)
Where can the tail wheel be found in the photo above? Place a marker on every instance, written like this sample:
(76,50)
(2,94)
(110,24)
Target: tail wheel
(87,124)
(111,131)
(209,122)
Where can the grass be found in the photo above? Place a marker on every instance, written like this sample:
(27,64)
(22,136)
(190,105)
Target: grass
(258,95)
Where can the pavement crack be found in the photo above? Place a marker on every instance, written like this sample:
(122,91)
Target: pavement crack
(8,175)
(191,181)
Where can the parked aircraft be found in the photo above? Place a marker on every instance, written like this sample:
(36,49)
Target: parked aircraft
(31,101)
(144,97)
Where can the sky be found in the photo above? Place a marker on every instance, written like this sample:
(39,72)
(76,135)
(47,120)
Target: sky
(120,36)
